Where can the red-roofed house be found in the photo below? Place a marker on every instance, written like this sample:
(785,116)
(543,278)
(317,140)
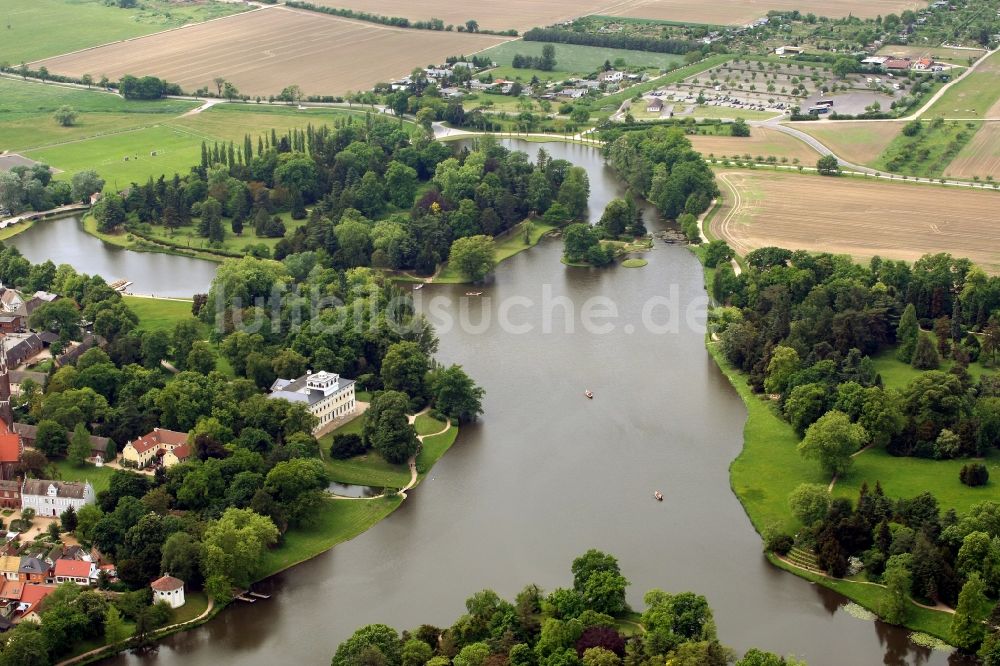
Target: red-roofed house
(896,64)
(75,571)
(176,456)
(31,597)
(150,448)
(923,64)
(10,494)
(11,590)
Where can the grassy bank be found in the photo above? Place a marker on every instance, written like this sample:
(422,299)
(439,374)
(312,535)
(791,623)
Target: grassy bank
(158,314)
(507,246)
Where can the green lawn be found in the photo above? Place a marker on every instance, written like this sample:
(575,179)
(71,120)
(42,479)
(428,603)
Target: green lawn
(727,112)
(425,424)
(896,374)
(99,477)
(195,604)
(35,29)
(572,59)
(433,448)
(338,521)
(157,314)
(973,96)
(365,470)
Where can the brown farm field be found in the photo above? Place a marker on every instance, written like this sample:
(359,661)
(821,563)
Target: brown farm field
(858,142)
(263,51)
(861,218)
(980,157)
(525,14)
(763,142)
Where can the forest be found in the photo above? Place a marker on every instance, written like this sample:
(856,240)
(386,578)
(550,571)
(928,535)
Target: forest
(589,623)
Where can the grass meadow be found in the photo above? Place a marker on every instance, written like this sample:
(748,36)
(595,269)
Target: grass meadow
(572,59)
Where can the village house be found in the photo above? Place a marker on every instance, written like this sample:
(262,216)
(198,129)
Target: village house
(10,494)
(51,498)
(75,571)
(169,589)
(152,447)
(789,50)
(611,76)
(99,446)
(176,456)
(33,570)
(328,395)
(10,566)
(654,105)
(10,323)
(10,300)
(10,593)
(31,598)
(896,64)
(20,347)
(923,64)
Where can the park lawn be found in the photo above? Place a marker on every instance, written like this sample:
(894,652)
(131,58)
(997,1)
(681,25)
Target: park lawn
(42,28)
(337,521)
(158,314)
(896,374)
(99,477)
(23,133)
(908,477)
(188,235)
(433,448)
(574,59)
(769,467)
(231,122)
(369,469)
(511,243)
(972,97)
(425,424)
(31,98)
(176,151)
(195,604)
(727,112)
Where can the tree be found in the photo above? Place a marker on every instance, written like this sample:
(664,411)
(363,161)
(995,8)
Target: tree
(65,116)
(25,645)
(416,653)
(179,557)
(474,654)
(894,605)
(115,630)
(201,358)
(989,653)
(925,355)
(575,190)
(79,446)
(186,333)
(783,365)
(60,317)
(234,545)
(578,241)
(907,333)
(401,184)
(967,630)
(473,256)
(85,183)
(51,439)
(472,25)
(455,395)
(404,368)
(809,502)
(832,440)
(68,520)
(379,636)
(386,428)
(828,165)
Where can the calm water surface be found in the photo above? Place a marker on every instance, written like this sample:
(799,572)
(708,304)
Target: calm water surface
(64,242)
(546,474)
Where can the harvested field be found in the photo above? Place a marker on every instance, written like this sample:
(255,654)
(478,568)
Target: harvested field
(763,141)
(980,157)
(893,220)
(859,142)
(729,12)
(263,51)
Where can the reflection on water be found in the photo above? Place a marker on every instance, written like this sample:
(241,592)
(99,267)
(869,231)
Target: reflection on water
(65,242)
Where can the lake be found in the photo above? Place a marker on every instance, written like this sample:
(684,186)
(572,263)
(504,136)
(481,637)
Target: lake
(546,473)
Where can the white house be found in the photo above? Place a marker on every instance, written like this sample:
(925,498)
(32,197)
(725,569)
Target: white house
(169,589)
(51,498)
(80,572)
(611,77)
(328,395)
(11,300)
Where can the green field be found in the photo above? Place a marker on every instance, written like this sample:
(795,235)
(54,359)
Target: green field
(728,112)
(369,469)
(35,29)
(433,448)
(896,374)
(928,153)
(338,521)
(99,477)
(158,314)
(425,424)
(974,96)
(573,59)
(507,246)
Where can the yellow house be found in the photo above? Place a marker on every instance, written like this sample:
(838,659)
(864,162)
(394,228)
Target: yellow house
(9,565)
(176,456)
(152,447)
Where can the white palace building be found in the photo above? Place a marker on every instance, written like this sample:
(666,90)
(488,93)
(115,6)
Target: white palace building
(328,395)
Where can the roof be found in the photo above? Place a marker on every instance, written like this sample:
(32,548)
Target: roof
(32,565)
(10,486)
(181,452)
(10,563)
(73,489)
(896,63)
(12,590)
(48,337)
(158,437)
(73,568)
(9,296)
(167,584)
(10,448)
(33,595)
(295,390)
(19,376)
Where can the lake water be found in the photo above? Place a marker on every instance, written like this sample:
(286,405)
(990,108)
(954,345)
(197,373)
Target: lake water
(546,474)
(64,241)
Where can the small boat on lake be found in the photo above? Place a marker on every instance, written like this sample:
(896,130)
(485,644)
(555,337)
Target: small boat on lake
(418,286)
(658,495)
(473,293)
(589,394)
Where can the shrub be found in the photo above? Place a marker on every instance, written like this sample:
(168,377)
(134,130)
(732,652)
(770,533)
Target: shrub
(780,544)
(974,475)
(346,446)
